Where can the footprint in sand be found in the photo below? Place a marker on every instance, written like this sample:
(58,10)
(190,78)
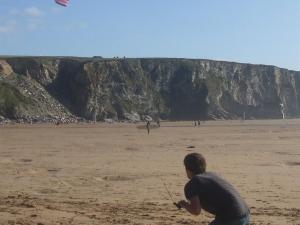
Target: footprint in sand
(54,170)
(118,178)
(133,149)
(293,163)
(191,146)
(286,153)
(26,160)
(47,191)
(266,164)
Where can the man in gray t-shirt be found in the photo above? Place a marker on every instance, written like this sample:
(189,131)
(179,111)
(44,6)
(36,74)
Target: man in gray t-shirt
(206,190)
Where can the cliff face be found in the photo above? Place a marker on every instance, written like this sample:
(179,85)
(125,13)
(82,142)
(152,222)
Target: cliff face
(179,89)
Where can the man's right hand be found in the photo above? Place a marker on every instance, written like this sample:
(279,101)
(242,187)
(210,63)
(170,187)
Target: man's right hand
(177,205)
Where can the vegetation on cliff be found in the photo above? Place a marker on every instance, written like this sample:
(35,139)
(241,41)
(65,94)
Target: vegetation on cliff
(11,101)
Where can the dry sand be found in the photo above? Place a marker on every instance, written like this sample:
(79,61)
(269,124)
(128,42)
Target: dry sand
(113,173)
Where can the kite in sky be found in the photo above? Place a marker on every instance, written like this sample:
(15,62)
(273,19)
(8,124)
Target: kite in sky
(62,2)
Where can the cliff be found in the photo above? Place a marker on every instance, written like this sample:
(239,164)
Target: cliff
(51,88)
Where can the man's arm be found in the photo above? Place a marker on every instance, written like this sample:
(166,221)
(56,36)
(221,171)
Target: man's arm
(193,206)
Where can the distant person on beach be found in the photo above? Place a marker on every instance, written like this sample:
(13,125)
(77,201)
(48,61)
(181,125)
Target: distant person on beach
(148,126)
(158,122)
(198,122)
(208,191)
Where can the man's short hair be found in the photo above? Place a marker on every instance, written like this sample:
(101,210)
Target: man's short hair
(195,163)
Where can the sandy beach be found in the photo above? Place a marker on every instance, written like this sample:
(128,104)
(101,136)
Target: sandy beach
(114,173)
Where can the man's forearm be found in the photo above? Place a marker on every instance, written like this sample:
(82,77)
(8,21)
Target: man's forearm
(189,208)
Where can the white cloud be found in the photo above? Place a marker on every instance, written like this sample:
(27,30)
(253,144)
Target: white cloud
(8,27)
(21,20)
(33,12)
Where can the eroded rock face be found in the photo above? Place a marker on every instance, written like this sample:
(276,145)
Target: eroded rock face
(41,69)
(178,89)
(5,68)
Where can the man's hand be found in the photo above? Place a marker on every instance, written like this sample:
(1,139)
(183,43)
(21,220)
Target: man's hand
(183,204)
(177,205)
(192,207)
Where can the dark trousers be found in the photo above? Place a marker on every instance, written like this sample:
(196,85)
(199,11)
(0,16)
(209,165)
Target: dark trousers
(242,221)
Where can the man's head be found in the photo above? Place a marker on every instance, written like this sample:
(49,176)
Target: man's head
(194,164)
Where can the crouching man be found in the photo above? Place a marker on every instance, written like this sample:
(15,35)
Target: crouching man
(208,191)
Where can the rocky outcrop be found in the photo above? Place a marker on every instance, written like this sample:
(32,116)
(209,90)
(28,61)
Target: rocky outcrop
(127,89)
(23,96)
(5,69)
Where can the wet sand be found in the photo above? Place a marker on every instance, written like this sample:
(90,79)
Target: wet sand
(114,173)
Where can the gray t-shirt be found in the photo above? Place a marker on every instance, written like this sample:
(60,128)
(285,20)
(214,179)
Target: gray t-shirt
(216,196)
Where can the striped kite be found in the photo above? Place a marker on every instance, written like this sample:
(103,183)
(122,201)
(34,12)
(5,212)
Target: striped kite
(62,2)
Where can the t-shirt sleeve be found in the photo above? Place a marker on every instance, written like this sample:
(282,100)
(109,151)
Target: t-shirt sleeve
(190,189)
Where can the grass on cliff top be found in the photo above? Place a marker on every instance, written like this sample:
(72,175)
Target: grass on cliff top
(10,100)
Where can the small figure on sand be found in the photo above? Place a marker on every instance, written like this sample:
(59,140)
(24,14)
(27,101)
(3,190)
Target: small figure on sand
(206,190)
(195,123)
(282,110)
(199,123)
(158,122)
(148,126)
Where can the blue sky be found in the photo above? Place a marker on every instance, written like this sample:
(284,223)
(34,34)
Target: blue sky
(252,31)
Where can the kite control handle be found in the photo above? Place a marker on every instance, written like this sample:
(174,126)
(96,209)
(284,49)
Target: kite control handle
(177,205)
